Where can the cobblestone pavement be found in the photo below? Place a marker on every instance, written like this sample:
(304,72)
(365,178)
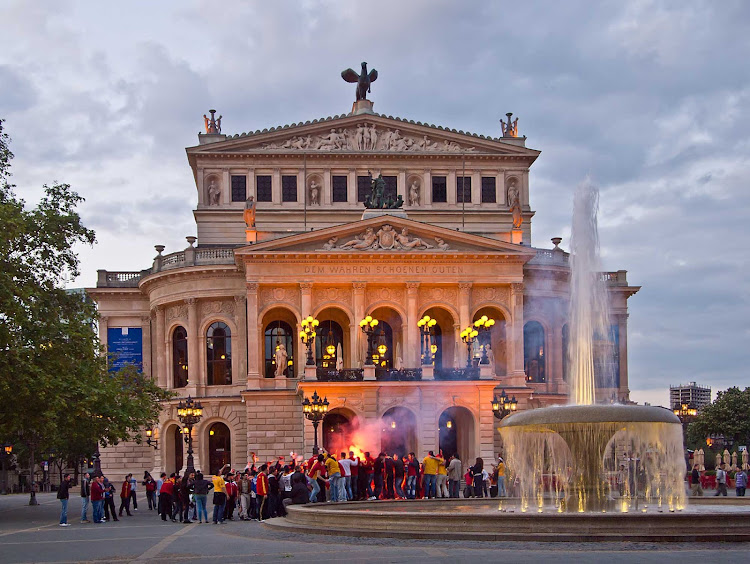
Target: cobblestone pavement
(32,534)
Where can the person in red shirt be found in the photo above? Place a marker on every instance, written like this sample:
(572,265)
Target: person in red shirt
(125,496)
(261,490)
(355,475)
(317,469)
(368,465)
(97,498)
(232,491)
(165,498)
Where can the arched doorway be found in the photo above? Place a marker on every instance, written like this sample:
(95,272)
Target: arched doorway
(398,432)
(279,329)
(495,338)
(457,435)
(339,427)
(219,447)
(390,335)
(534,353)
(173,445)
(328,344)
(443,337)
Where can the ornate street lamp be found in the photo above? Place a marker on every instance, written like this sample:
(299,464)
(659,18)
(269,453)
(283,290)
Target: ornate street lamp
(309,325)
(189,414)
(468,336)
(369,327)
(314,411)
(425,328)
(150,440)
(5,454)
(503,405)
(483,326)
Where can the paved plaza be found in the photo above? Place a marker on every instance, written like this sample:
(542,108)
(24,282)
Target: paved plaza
(31,534)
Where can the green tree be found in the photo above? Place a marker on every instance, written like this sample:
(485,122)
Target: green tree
(55,388)
(729,415)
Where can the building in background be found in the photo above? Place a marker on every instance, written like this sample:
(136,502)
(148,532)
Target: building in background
(689,394)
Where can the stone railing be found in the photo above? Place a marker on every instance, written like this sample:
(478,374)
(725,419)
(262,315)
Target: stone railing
(617,278)
(110,279)
(403,375)
(345,375)
(457,373)
(550,257)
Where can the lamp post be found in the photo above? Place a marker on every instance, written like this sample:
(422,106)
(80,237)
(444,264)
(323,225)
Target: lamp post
(483,326)
(468,336)
(150,440)
(369,327)
(503,405)
(189,414)
(309,325)
(314,411)
(425,328)
(5,454)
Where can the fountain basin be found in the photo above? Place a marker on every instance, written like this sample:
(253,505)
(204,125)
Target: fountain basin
(591,414)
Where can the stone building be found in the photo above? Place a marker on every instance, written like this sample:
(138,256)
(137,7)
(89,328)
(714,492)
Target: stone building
(209,319)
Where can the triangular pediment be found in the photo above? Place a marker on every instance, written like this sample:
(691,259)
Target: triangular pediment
(387,234)
(364,133)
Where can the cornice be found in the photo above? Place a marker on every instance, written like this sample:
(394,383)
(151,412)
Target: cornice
(148,283)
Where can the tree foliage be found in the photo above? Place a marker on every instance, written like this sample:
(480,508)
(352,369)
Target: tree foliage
(55,388)
(729,415)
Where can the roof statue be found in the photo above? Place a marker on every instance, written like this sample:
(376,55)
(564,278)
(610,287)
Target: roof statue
(363,80)
(213,125)
(510,129)
(377,199)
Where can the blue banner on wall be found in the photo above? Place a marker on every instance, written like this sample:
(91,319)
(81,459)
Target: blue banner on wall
(125,346)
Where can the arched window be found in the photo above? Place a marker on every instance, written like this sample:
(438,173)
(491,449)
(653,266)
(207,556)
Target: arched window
(565,352)
(219,447)
(533,352)
(329,334)
(437,343)
(177,438)
(279,333)
(384,337)
(179,358)
(218,354)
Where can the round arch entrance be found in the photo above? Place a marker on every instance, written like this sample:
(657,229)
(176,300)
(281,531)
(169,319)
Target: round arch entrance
(219,447)
(339,426)
(457,435)
(391,334)
(496,338)
(173,450)
(279,328)
(399,432)
(443,337)
(335,329)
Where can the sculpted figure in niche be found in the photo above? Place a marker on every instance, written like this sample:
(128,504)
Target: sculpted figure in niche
(490,355)
(514,203)
(403,240)
(367,241)
(214,193)
(250,212)
(414,194)
(281,359)
(314,193)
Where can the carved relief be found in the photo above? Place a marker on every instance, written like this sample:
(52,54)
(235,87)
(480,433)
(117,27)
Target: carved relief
(438,294)
(276,295)
(385,239)
(381,294)
(176,312)
(322,296)
(216,306)
(367,137)
(496,294)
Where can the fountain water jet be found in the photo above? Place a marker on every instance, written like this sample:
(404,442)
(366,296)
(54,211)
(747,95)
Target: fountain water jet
(570,453)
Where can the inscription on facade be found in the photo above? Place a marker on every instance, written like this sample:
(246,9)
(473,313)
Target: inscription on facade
(383,269)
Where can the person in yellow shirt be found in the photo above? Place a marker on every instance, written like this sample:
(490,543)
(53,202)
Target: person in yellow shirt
(501,477)
(334,476)
(430,470)
(442,476)
(220,498)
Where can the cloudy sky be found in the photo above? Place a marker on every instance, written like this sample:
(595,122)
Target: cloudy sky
(649,98)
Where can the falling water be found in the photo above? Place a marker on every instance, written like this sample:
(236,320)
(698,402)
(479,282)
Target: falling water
(588,296)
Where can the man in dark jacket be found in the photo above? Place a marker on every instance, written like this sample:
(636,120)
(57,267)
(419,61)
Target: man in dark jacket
(398,470)
(63,494)
(389,477)
(85,493)
(378,476)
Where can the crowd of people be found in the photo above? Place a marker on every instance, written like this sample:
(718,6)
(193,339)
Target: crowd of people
(264,491)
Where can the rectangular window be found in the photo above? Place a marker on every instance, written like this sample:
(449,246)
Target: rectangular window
(340,192)
(391,187)
(289,188)
(489,193)
(463,189)
(239,188)
(439,189)
(363,187)
(263,189)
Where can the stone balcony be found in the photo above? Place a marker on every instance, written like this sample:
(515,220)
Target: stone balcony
(189,257)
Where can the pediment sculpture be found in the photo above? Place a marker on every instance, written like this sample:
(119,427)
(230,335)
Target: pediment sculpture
(385,239)
(367,137)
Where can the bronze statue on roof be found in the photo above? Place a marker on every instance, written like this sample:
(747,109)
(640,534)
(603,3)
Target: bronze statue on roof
(363,80)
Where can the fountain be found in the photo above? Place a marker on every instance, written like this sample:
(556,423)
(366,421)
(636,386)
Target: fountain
(584,456)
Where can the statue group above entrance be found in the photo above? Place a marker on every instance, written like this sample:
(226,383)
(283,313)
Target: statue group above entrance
(385,239)
(377,199)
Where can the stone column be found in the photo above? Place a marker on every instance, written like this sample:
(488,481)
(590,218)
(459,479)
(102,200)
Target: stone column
(401,187)
(622,324)
(515,339)
(194,372)
(500,188)
(427,188)
(161,344)
(103,330)
(305,289)
(254,359)
(251,189)
(146,332)
(476,188)
(464,314)
(327,196)
(240,318)
(226,193)
(411,347)
(351,188)
(201,192)
(357,338)
(451,187)
(459,347)
(276,187)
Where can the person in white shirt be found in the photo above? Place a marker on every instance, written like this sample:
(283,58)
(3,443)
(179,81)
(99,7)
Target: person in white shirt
(345,488)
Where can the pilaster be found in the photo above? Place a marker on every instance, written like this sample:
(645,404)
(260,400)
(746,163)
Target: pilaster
(254,348)
(240,317)
(358,290)
(515,362)
(195,382)
(161,348)
(464,313)
(411,358)
(146,332)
